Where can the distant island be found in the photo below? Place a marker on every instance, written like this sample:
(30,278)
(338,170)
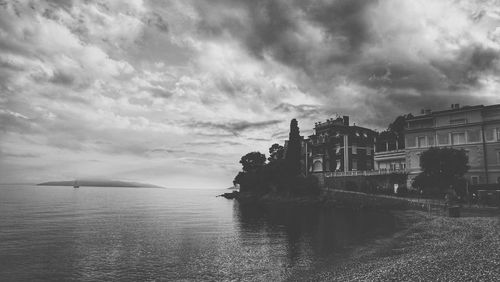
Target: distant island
(99,183)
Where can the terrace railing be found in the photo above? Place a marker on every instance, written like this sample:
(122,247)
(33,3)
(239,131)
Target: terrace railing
(363,172)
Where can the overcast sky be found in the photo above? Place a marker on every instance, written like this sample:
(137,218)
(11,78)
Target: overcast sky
(175,92)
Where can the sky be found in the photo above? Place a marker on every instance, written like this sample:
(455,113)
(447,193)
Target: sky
(174,92)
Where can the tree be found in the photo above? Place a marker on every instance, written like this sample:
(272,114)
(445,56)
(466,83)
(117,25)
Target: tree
(441,168)
(393,136)
(398,125)
(252,161)
(239,178)
(292,156)
(276,152)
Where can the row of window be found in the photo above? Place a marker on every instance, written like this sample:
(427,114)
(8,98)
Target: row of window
(323,137)
(392,165)
(354,164)
(474,180)
(454,138)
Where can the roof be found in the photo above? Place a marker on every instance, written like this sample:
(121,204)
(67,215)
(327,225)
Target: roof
(449,111)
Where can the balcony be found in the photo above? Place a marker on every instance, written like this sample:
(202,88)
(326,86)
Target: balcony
(364,172)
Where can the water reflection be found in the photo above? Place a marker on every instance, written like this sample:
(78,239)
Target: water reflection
(98,234)
(310,233)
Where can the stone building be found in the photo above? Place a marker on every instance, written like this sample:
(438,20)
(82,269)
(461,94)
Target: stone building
(476,129)
(337,146)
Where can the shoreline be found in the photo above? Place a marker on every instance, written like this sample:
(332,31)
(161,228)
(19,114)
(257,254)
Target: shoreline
(427,245)
(359,200)
(424,248)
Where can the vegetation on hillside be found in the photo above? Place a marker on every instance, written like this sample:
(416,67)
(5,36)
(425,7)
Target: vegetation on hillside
(281,175)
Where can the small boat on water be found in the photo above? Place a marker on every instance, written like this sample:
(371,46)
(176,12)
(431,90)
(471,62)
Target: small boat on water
(75,185)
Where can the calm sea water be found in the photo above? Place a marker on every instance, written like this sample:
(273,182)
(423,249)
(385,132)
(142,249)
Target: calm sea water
(139,234)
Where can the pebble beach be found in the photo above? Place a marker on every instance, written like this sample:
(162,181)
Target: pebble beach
(427,248)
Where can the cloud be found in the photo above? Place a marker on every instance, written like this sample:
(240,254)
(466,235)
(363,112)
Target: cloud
(153,88)
(234,127)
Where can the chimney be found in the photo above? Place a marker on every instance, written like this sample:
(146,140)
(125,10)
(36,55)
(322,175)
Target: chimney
(452,106)
(346,120)
(457,106)
(428,111)
(422,111)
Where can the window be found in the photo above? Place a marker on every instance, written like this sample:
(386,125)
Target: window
(354,149)
(473,135)
(474,180)
(337,168)
(498,134)
(458,121)
(443,139)
(369,151)
(410,141)
(489,134)
(354,165)
(430,140)
(498,157)
(458,138)
(421,141)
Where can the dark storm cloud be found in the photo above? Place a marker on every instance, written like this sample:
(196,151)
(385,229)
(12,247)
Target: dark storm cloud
(158,92)
(61,77)
(471,63)
(302,111)
(234,127)
(344,53)
(273,27)
(65,4)
(155,20)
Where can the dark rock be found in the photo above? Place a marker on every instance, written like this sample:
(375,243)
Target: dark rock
(231,195)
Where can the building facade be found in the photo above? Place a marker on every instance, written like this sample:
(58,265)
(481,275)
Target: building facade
(390,160)
(476,129)
(337,146)
(390,152)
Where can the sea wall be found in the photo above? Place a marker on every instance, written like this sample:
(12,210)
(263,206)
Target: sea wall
(361,183)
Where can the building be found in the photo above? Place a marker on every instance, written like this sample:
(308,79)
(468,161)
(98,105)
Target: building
(476,129)
(337,146)
(390,160)
(390,155)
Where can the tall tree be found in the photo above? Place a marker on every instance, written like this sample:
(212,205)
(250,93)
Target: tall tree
(252,161)
(276,152)
(398,125)
(292,156)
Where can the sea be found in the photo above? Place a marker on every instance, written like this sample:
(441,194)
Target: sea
(146,234)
